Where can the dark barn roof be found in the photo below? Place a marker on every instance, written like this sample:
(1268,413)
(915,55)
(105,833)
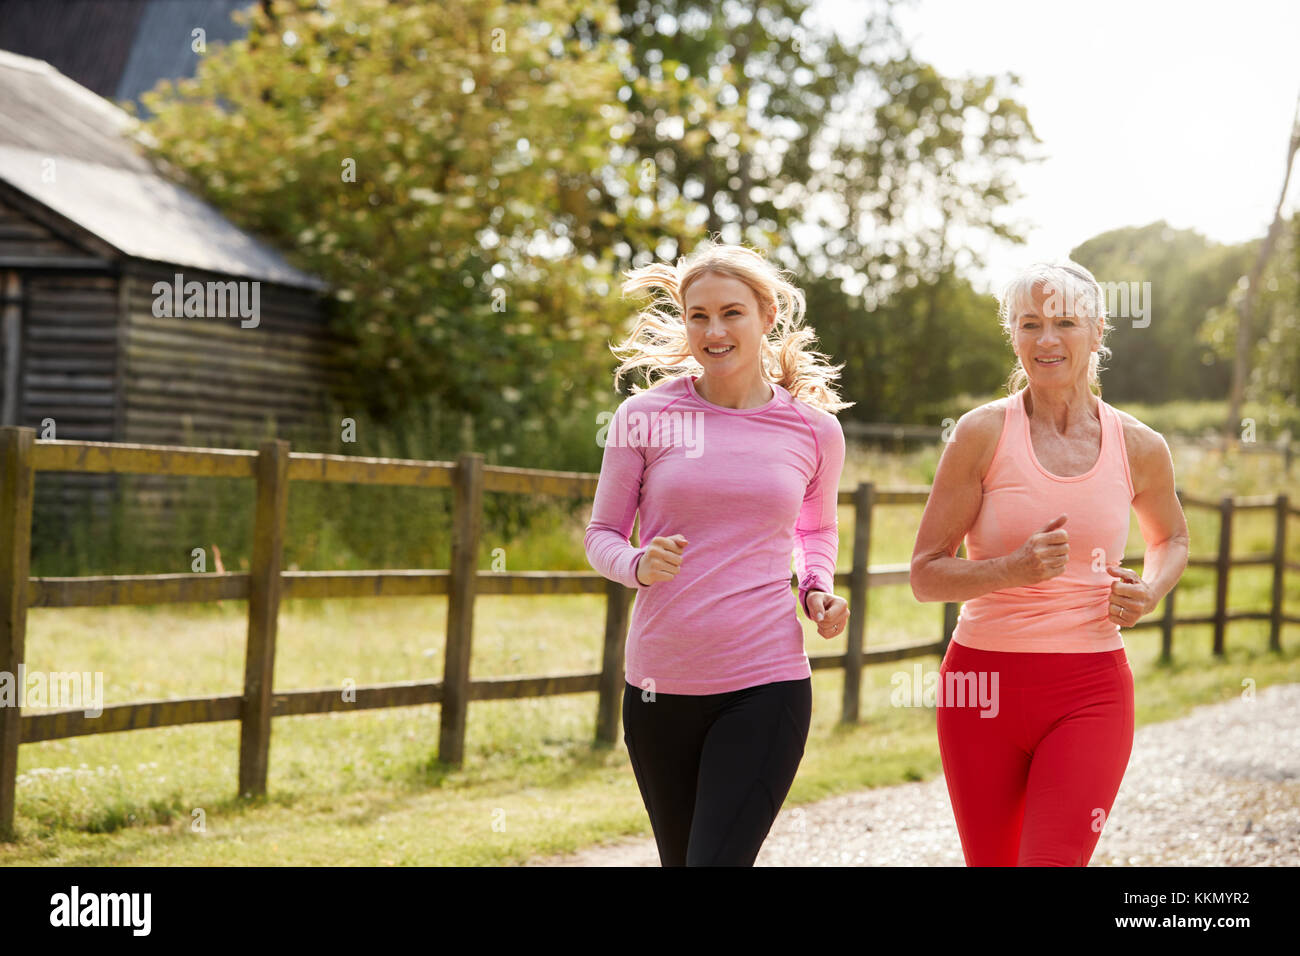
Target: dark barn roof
(117,48)
(104,183)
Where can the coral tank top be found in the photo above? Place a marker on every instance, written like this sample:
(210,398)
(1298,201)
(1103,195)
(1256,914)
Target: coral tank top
(1067,613)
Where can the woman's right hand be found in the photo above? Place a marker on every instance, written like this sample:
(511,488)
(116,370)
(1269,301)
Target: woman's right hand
(662,560)
(1043,555)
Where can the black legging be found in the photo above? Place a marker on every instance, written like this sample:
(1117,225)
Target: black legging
(714,769)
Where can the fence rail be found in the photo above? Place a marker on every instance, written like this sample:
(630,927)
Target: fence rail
(273,468)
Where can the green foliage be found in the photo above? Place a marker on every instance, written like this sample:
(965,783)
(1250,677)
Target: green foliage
(461,252)
(1190,277)
(864,128)
(1204,419)
(884,290)
(510,159)
(908,357)
(1275,329)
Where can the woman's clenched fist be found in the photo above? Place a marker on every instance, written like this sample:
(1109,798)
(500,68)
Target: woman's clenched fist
(662,560)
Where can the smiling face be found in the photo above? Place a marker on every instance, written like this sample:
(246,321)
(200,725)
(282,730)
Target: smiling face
(1054,337)
(724,328)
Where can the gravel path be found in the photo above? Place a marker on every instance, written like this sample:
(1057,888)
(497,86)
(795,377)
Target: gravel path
(1219,787)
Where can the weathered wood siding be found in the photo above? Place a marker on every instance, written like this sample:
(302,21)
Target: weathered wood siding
(226,381)
(68,361)
(212,383)
(69,354)
(24,240)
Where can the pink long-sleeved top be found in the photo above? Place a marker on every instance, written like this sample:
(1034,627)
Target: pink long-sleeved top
(747,488)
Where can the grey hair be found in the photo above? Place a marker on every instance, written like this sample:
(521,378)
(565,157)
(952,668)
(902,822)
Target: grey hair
(1079,292)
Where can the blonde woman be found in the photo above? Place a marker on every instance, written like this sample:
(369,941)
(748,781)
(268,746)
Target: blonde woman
(1035,721)
(732,456)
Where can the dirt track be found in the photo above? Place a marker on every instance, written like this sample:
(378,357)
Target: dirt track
(1220,787)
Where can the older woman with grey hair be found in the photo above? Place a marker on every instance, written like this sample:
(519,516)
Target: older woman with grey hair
(1035,721)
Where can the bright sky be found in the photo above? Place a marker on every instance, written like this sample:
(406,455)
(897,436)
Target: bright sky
(1147,110)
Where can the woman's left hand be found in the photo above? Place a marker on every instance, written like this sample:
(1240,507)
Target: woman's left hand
(1130,597)
(833,611)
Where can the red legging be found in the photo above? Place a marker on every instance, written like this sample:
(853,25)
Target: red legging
(1033,783)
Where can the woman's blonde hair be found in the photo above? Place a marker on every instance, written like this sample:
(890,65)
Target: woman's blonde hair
(659,345)
(1072,285)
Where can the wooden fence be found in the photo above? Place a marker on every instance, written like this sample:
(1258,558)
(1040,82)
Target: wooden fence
(273,467)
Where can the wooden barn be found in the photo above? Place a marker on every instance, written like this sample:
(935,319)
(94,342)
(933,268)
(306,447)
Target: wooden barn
(90,347)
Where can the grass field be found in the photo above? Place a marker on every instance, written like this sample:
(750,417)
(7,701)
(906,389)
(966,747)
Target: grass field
(365,789)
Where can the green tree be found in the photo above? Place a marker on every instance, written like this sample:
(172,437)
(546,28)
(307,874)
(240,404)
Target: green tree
(1275,350)
(1189,278)
(433,162)
(862,169)
(511,159)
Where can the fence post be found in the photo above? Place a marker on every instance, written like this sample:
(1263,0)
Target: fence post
(17,478)
(863,501)
(1167,627)
(610,705)
(1279,567)
(949,625)
(263,615)
(467,524)
(950,611)
(1223,564)
(1167,620)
